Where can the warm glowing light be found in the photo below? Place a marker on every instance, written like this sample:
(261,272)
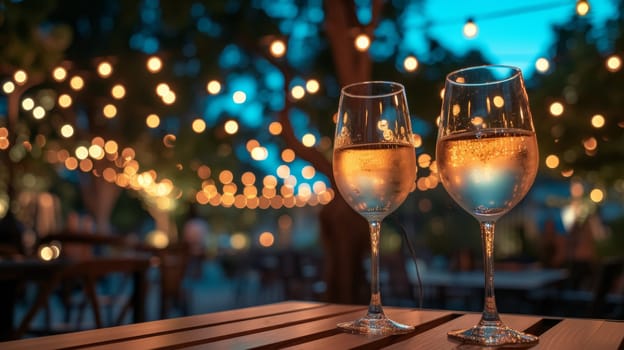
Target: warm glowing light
(424,160)
(259,153)
(277,48)
(556,109)
(154,64)
(199,125)
(109,111)
(39,112)
(59,74)
(416,140)
(111,147)
(67,131)
(614,63)
(596,195)
(582,7)
(169,140)
(248,178)
(28,104)
(226,177)
(76,83)
(213,87)
(590,144)
(362,42)
(598,121)
(8,87)
(162,89)
(81,152)
(231,127)
(169,97)
(297,92)
(552,161)
(283,171)
(71,163)
(239,241)
(266,239)
(251,144)
(410,63)
(118,91)
(470,29)
(288,155)
(312,86)
(308,140)
(308,172)
(542,65)
(275,128)
(239,97)
(105,69)
(152,121)
(567,172)
(20,77)
(64,100)
(46,253)
(157,239)
(96,152)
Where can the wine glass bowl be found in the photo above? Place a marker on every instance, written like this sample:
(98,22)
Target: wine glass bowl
(487,158)
(374,167)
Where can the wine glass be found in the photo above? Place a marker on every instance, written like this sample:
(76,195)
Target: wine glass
(487,159)
(374,165)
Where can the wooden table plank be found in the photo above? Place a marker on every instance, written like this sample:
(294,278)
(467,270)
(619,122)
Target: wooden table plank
(609,333)
(571,334)
(237,330)
(437,339)
(158,327)
(296,334)
(344,340)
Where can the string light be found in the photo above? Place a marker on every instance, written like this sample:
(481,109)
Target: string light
(213,87)
(277,48)
(614,63)
(410,63)
(8,87)
(470,29)
(582,7)
(154,64)
(297,92)
(542,65)
(362,42)
(556,109)
(105,69)
(20,77)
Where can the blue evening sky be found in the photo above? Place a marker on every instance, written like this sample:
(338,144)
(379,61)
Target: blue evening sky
(515,33)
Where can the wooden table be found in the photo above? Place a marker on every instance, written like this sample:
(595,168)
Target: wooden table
(311,325)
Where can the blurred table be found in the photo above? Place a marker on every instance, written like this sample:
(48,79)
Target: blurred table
(311,325)
(50,274)
(522,280)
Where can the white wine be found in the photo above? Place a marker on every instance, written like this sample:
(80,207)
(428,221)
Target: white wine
(375,178)
(488,172)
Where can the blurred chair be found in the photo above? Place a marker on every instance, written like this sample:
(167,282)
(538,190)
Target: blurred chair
(91,285)
(608,301)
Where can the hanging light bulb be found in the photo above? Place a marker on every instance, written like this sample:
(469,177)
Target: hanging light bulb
(470,29)
(362,42)
(582,7)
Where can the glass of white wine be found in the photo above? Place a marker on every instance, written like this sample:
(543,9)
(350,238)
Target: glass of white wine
(487,158)
(374,166)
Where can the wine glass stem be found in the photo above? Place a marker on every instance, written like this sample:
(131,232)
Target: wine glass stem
(490,313)
(374,308)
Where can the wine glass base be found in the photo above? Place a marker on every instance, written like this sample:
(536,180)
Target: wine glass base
(493,336)
(375,326)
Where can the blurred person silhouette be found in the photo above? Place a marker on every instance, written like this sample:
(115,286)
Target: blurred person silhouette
(195,234)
